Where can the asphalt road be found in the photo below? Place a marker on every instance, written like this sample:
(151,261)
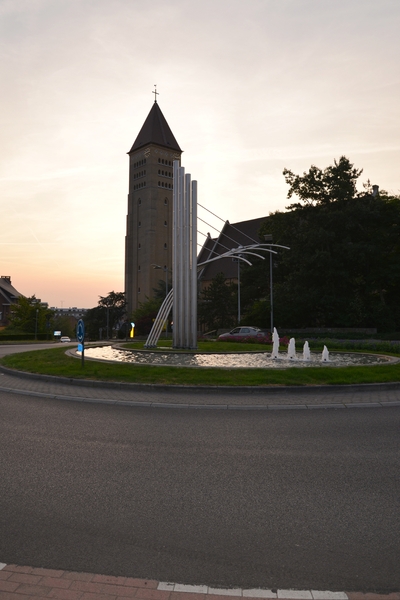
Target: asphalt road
(17,348)
(295,499)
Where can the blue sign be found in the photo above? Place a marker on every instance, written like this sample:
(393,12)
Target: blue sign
(80,348)
(80,332)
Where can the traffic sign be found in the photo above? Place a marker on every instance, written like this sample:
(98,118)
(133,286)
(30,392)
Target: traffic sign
(80,333)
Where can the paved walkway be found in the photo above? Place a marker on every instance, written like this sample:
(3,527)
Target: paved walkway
(29,583)
(158,396)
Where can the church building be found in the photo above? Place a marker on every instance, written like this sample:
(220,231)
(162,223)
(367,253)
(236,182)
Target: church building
(148,241)
(231,236)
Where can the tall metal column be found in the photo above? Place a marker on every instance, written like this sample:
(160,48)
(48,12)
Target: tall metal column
(184,267)
(193,265)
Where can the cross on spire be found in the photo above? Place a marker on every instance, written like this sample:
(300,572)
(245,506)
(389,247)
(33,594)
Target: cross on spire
(155,93)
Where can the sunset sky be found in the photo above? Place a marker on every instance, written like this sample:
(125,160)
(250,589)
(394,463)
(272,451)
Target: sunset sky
(248,88)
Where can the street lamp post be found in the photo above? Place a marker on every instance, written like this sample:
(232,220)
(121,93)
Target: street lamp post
(268,238)
(238,279)
(36,320)
(238,261)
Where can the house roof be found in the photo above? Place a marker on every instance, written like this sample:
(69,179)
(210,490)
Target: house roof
(231,236)
(155,130)
(7,291)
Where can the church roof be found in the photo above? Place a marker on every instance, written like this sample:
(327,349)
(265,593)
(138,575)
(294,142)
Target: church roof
(231,236)
(155,130)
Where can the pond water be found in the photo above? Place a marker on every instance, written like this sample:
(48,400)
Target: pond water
(247,360)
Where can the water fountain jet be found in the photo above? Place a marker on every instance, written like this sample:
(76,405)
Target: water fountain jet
(306,352)
(325,354)
(292,349)
(275,344)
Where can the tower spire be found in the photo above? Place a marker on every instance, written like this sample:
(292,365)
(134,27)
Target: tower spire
(155,130)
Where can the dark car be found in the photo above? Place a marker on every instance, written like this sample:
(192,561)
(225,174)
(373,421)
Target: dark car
(241,332)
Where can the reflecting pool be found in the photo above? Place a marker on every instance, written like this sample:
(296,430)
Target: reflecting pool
(246,360)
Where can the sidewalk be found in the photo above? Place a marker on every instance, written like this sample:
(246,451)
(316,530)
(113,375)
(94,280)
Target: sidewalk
(225,398)
(23,583)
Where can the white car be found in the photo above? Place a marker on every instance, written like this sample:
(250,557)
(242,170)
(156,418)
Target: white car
(65,338)
(241,332)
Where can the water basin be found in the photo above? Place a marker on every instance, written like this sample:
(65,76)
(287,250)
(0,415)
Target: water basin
(238,360)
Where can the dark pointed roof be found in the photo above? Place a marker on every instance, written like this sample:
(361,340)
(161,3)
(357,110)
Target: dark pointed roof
(231,236)
(155,130)
(8,291)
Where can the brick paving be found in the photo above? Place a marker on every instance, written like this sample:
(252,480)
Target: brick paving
(30,583)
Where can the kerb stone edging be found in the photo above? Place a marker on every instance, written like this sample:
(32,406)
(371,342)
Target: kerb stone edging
(269,390)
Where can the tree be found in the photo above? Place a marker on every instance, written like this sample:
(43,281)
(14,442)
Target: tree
(255,292)
(30,315)
(159,291)
(115,308)
(107,316)
(144,315)
(335,183)
(343,268)
(65,324)
(216,307)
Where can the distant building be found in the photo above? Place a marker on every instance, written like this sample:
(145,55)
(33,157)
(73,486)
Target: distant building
(8,296)
(231,236)
(148,241)
(77,313)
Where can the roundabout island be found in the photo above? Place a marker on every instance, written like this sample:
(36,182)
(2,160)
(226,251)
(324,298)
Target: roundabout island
(56,372)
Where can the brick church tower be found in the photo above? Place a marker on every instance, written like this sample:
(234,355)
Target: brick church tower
(148,241)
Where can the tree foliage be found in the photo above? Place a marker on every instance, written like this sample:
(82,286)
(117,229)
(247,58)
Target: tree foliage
(216,308)
(107,317)
(30,314)
(334,184)
(343,266)
(160,290)
(66,324)
(144,315)
(255,293)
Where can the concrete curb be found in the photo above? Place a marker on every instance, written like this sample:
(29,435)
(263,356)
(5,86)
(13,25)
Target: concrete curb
(270,390)
(175,405)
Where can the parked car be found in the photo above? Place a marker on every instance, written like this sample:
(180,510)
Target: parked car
(241,332)
(65,338)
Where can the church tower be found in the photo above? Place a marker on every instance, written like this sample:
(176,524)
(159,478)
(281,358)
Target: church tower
(148,241)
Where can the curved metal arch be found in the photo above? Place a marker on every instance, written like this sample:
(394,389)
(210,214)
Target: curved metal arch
(167,304)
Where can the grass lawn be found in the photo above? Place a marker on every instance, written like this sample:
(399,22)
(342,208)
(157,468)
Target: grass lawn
(56,362)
